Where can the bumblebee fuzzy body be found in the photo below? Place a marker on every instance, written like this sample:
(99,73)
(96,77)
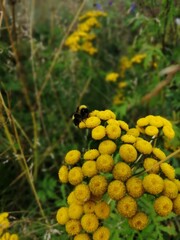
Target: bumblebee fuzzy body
(81,113)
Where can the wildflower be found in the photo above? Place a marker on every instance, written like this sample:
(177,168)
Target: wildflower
(98,185)
(133,131)
(89,168)
(63,174)
(116,189)
(113,131)
(153,183)
(5,236)
(168,132)
(4,222)
(75,175)
(163,206)
(155,121)
(177,182)
(102,210)
(75,211)
(82,236)
(88,47)
(150,165)
(72,157)
(89,222)
(91,154)
(82,125)
(128,138)
(166,122)
(122,171)
(139,221)
(101,233)
(170,189)
(151,130)
(72,199)
(176,205)
(142,122)
(98,132)
(89,206)
(123,125)
(104,163)
(112,77)
(107,147)
(73,227)
(138,58)
(62,215)
(168,170)
(159,154)
(113,122)
(135,187)
(128,153)
(106,115)
(122,84)
(14,237)
(92,122)
(143,146)
(82,192)
(94,113)
(127,206)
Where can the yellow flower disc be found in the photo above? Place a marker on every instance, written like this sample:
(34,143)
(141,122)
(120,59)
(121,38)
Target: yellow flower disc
(75,175)
(89,206)
(142,122)
(106,115)
(107,147)
(170,189)
(62,215)
(123,125)
(159,154)
(143,146)
(122,171)
(102,233)
(128,138)
(92,122)
(91,154)
(151,130)
(72,157)
(168,170)
(75,211)
(98,132)
(128,153)
(102,210)
(177,182)
(133,131)
(113,122)
(5,236)
(112,77)
(89,168)
(139,221)
(135,187)
(98,185)
(113,131)
(166,122)
(163,206)
(94,113)
(73,227)
(151,165)
(155,121)
(82,125)
(82,192)
(72,199)
(127,206)
(104,163)
(82,236)
(116,190)
(63,174)
(153,183)
(14,237)
(176,205)
(168,132)
(89,222)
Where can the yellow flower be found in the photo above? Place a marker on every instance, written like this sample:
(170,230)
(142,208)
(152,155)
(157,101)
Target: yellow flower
(122,84)
(139,221)
(128,138)
(82,192)
(89,222)
(72,157)
(113,122)
(82,236)
(133,131)
(123,125)
(168,132)
(143,146)
(98,185)
(159,154)
(104,163)
(127,206)
(63,174)
(75,211)
(94,113)
(92,122)
(88,47)
(98,132)
(82,125)
(166,122)
(91,154)
(168,170)
(14,237)
(176,205)
(138,58)
(102,210)
(135,187)
(89,168)
(112,77)
(116,189)
(89,206)
(106,115)
(142,122)
(155,121)
(177,182)
(5,236)
(102,233)
(107,147)
(153,183)
(73,227)
(122,171)
(72,199)
(75,175)
(113,131)
(151,130)
(62,215)
(4,222)
(151,165)
(170,189)
(128,153)
(125,63)
(163,206)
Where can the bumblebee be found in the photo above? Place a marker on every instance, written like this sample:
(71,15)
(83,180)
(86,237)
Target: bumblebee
(81,113)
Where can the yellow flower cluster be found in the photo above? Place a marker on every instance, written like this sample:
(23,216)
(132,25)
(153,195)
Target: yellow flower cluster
(4,224)
(82,38)
(113,171)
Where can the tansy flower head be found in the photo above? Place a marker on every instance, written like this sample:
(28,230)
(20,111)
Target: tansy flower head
(168,132)
(91,154)
(122,171)
(168,170)
(128,138)
(176,205)
(113,122)
(151,165)
(92,122)
(14,237)
(143,146)
(170,189)
(102,233)
(153,183)
(102,210)
(127,206)
(72,199)
(163,206)
(62,215)
(89,222)
(63,174)
(139,221)
(142,122)
(113,131)
(155,121)
(89,168)
(75,211)
(98,132)
(82,236)
(106,115)
(135,187)
(112,77)
(89,206)
(151,130)
(123,125)
(177,182)
(128,153)
(107,147)
(75,175)
(104,163)
(116,189)
(4,222)
(72,157)
(82,192)
(98,185)
(73,227)
(133,131)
